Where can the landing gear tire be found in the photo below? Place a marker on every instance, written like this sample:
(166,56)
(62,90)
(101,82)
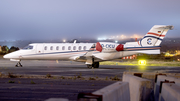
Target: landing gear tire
(94,65)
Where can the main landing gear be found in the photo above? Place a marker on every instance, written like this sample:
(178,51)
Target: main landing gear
(94,65)
(18,64)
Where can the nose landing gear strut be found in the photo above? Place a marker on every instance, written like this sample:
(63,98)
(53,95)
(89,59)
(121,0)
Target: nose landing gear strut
(18,64)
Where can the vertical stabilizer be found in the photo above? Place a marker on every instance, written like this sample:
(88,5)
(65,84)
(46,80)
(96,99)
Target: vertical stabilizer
(155,35)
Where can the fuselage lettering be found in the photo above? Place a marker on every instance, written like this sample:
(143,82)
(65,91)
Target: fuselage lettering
(107,45)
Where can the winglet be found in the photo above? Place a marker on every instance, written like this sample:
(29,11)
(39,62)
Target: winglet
(98,47)
(120,47)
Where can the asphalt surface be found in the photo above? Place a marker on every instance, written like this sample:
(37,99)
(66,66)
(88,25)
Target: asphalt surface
(68,68)
(34,88)
(24,89)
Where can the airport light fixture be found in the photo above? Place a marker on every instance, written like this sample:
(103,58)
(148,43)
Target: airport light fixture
(64,40)
(142,62)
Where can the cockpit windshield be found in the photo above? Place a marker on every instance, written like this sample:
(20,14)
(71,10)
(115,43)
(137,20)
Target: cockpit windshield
(28,47)
(93,46)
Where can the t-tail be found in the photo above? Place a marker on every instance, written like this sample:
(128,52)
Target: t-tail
(150,43)
(155,35)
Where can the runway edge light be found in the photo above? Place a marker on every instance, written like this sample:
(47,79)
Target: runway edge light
(142,62)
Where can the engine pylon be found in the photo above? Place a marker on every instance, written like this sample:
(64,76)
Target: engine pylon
(120,47)
(98,47)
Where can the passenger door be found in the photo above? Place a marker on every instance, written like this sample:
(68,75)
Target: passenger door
(40,48)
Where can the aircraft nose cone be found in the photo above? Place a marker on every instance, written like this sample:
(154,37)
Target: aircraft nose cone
(6,56)
(13,55)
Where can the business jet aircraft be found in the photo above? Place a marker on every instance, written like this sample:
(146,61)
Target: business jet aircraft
(92,53)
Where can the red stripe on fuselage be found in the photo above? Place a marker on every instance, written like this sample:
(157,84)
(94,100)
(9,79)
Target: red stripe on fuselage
(156,34)
(138,43)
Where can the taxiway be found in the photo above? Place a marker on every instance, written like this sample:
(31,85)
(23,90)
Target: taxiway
(43,88)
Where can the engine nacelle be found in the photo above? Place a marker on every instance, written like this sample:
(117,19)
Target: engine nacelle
(108,47)
(120,47)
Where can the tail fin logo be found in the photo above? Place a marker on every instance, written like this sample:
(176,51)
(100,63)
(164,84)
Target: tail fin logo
(155,35)
(149,41)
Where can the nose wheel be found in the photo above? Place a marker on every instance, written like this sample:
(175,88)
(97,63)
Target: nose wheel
(18,64)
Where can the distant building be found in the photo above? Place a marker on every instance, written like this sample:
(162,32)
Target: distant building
(0,49)
(176,53)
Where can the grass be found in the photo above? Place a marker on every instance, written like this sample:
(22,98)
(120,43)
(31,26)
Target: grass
(10,75)
(11,81)
(106,78)
(48,75)
(32,82)
(74,78)
(70,78)
(115,78)
(62,77)
(91,78)
(1,56)
(79,76)
(149,63)
(0,74)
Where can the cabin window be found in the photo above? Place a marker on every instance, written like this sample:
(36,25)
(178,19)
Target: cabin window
(93,46)
(57,48)
(80,47)
(63,48)
(28,47)
(74,48)
(84,47)
(51,48)
(45,48)
(69,48)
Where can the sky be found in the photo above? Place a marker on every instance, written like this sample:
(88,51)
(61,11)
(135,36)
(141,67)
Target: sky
(59,19)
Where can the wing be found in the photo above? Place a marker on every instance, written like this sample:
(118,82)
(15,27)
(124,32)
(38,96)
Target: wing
(88,57)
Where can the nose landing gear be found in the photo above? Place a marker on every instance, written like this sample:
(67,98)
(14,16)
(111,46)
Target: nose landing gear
(18,64)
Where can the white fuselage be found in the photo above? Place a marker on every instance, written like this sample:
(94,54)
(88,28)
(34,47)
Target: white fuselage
(56,51)
(73,52)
